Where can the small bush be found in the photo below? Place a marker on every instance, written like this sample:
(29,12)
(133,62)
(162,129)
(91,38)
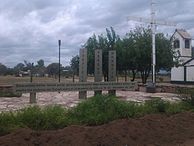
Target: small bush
(101,109)
(155,105)
(186,94)
(39,119)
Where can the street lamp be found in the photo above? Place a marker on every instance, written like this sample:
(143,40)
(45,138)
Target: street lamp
(31,72)
(59,42)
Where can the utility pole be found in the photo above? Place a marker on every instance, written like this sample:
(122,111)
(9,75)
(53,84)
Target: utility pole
(154,24)
(59,43)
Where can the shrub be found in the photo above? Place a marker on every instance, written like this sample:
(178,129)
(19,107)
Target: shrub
(186,94)
(47,118)
(101,109)
(156,105)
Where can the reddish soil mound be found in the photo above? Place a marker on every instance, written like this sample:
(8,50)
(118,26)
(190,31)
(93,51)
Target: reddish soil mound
(151,130)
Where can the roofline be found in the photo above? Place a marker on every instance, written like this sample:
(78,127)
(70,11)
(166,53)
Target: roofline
(176,30)
(188,61)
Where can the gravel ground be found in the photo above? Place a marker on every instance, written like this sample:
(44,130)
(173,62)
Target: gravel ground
(70,99)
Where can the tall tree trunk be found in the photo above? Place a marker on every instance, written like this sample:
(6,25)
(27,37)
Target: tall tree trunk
(144,75)
(117,76)
(105,77)
(125,75)
(73,77)
(133,74)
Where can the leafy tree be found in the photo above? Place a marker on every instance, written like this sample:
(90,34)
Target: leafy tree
(134,52)
(164,52)
(143,51)
(105,43)
(28,65)
(91,44)
(40,63)
(18,67)
(53,69)
(74,63)
(126,55)
(40,69)
(10,71)
(142,44)
(3,69)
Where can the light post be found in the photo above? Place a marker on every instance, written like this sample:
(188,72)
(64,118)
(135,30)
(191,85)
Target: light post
(59,42)
(31,72)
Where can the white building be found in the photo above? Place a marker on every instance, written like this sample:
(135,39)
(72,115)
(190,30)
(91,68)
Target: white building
(184,73)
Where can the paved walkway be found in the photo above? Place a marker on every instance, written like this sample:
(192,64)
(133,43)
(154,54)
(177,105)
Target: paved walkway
(70,99)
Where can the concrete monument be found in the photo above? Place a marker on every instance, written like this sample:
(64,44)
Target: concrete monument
(83,70)
(112,69)
(98,68)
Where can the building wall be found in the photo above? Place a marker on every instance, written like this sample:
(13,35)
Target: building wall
(177,74)
(183,51)
(190,73)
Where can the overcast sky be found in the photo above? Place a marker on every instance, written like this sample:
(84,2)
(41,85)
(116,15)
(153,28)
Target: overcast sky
(30,29)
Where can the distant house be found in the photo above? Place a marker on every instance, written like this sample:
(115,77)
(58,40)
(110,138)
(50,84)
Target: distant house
(184,73)
(24,73)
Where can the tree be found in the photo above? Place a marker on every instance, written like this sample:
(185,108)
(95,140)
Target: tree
(53,69)
(143,45)
(40,63)
(18,67)
(91,44)
(3,69)
(28,65)
(40,69)
(164,53)
(143,49)
(134,52)
(105,43)
(10,71)
(74,63)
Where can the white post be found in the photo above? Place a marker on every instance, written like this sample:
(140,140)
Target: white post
(153,27)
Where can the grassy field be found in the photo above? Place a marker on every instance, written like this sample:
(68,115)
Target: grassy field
(9,80)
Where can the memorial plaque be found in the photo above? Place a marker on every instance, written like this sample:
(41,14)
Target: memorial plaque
(79,86)
(112,69)
(98,68)
(83,70)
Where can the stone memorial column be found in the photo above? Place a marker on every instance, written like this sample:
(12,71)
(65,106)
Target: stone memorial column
(98,69)
(112,69)
(32,97)
(83,71)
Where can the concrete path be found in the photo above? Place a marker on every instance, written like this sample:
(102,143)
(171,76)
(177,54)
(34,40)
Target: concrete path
(70,99)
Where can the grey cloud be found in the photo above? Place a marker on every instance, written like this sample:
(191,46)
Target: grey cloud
(30,29)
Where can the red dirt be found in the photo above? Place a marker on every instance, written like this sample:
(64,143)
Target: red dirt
(150,130)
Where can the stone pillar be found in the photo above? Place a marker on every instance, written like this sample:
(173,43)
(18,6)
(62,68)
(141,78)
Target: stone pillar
(98,69)
(32,97)
(83,71)
(112,69)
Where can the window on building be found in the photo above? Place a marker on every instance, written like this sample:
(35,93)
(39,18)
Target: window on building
(187,43)
(176,44)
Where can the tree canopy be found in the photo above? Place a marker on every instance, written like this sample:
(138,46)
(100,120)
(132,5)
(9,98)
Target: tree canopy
(134,51)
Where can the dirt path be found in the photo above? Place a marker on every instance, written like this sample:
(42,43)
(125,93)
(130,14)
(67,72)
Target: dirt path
(151,130)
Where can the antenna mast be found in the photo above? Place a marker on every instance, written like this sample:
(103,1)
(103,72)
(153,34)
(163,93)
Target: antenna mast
(153,27)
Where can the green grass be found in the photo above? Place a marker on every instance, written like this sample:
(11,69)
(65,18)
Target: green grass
(94,111)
